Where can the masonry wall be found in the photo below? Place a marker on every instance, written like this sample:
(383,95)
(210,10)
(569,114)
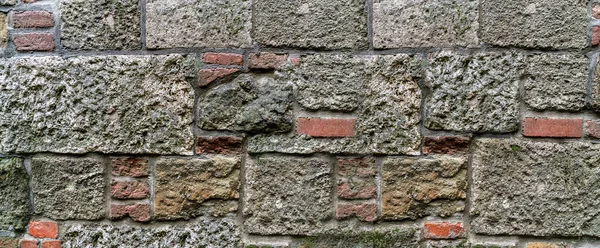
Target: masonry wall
(276,123)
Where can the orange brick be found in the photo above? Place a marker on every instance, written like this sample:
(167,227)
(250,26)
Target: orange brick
(43,229)
(51,244)
(223,58)
(28,243)
(317,127)
(444,230)
(557,128)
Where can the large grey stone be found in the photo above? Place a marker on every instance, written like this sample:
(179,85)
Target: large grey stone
(595,101)
(8,2)
(332,24)
(102,24)
(388,113)
(14,194)
(287,194)
(425,23)
(203,232)
(198,23)
(473,93)
(251,103)
(556,81)
(555,24)
(535,188)
(110,104)
(66,188)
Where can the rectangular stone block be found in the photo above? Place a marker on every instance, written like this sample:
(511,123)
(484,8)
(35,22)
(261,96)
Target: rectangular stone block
(535,188)
(425,23)
(14,194)
(198,23)
(404,236)
(110,104)
(554,24)
(332,24)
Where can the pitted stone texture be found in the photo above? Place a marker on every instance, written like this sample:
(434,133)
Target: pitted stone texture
(102,24)
(184,185)
(332,24)
(554,24)
(67,188)
(204,232)
(403,236)
(425,23)
(596,89)
(473,93)
(8,2)
(388,115)
(535,188)
(14,194)
(251,103)
(198,23)
(418,187)
(3,30)
(287,195)
(556,82)
(110,104)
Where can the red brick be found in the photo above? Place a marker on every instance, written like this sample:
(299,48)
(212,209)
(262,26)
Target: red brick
(558,128)
(266,60)
(223,58)
(137,212)
(130,167)
(219,145)
(364,211)
(34,42)
(129,189)
(33,19)
(444,230)
(295,61)
(592,129)
(207,76)
(43,229)
(356,178)
(595,35)
(596,11)
(51,244)
(446,145)
(317,127)
(28,243)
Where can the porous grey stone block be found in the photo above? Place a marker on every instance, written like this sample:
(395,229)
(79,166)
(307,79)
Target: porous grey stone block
(102,24)
(554,24)
(333,24)
(198,23)
(424,23)
(14,194)
(67,188)
(535,188)
(287,195)
(110,104)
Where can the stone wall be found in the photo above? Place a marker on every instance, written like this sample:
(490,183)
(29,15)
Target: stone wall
(305,123)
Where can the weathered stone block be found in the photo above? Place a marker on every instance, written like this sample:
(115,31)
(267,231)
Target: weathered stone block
(535,188)
(403,236)
(3,30)
(473,93)
(556,82)
(183,185)
(287,195)
(251,103)
(66,188)
(552,24)
(14,194)
(8,2)
(198,23)
(110,104)
(356,178)
(333,24)
(418,187)
(423,23)
(102,24)
(206,232)
(595,101)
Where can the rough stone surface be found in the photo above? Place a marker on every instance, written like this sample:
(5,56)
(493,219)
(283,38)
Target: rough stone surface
(596,89)
(102,24)
(362,211)
(251,103)
(473,93)
(198,23)
(14,194)
(287,195)
(552,24)
(110,104)
(219,145)
(424,23)
(8,242)
(404,236)
(183,185)
(3,30)
(66,188)
(556,82)
(418,187)
(330,24)
(356,178)
(8,2)
(535,188)
(204,232)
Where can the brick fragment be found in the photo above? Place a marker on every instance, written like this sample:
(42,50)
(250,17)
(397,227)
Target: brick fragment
(33,19)
(137,212)
(327,127)
(363,211)
(547,127)
(43,229)
(446,145)
(545,245)
(207,76)
(267,61)
(219,145)
(129,189)
(34,42)
(595,35)
(444,230)
(356,178)
(28,243)
(129,167)
(596,11)
(592,129)
(223,58)
(51,244)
